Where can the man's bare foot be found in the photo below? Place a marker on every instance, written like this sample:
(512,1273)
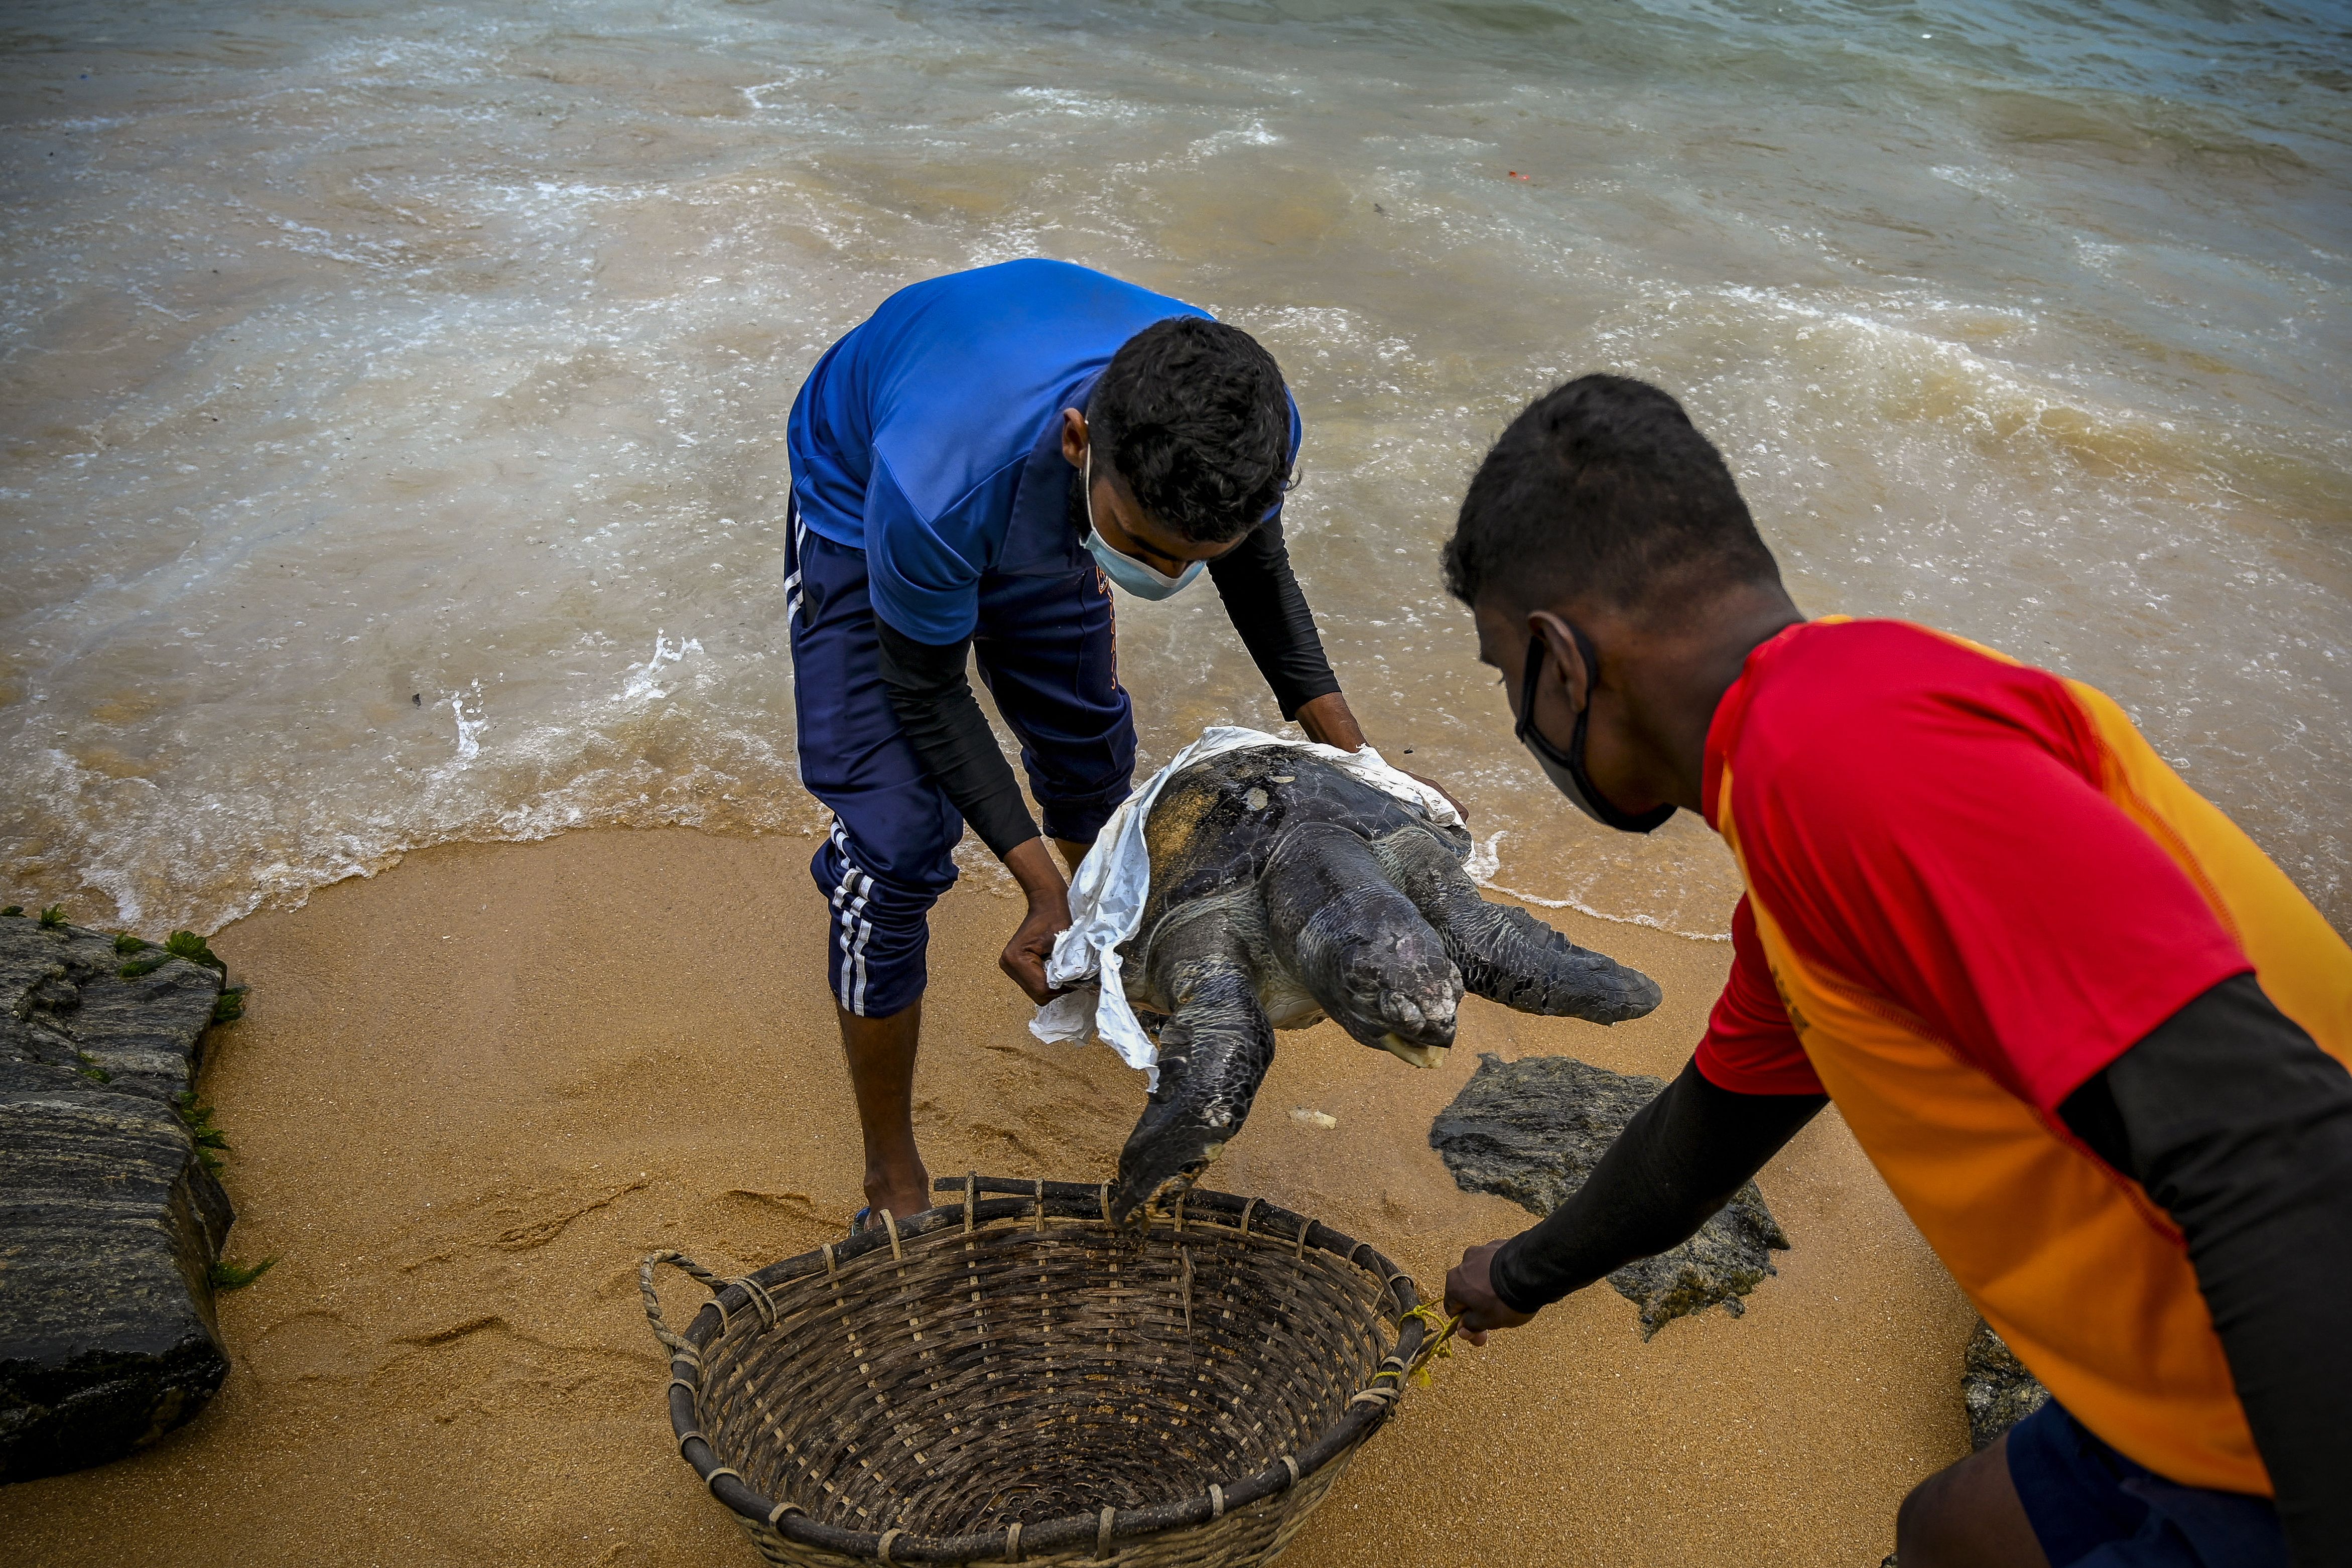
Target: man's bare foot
(905,1196)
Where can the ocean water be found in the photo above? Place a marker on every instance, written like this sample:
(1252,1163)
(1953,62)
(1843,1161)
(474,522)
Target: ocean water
(393,395)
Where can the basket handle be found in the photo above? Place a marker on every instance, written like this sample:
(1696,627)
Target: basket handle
(662,1331)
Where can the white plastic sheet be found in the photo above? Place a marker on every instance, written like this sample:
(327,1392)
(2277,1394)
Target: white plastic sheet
(1114,882)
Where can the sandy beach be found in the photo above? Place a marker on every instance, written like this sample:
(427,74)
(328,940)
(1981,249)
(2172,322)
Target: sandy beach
(471,1093)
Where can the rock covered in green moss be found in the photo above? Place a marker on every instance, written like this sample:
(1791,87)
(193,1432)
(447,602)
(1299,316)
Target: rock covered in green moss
(1997,1390)
(1532,1130)
(110,1221)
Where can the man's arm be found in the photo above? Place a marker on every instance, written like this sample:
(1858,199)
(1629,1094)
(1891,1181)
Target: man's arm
(1679,1160)
(2240,1128)
(1262,596)
(943,720)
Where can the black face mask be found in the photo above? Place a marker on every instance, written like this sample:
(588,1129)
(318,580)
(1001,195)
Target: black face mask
(1565,769)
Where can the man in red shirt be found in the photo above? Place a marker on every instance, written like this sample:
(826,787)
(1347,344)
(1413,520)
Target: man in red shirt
(2091,1037)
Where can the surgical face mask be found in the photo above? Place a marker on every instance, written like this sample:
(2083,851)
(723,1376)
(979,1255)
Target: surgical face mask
(1565,769)
(1135,576)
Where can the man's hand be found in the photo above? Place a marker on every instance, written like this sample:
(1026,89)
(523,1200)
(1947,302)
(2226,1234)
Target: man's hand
(1460,810)
(1024,956)
(1470,1292)
(1049,916)
(1329,722)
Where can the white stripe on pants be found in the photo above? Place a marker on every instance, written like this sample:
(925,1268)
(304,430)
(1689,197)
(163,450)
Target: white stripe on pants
(792,583)
(849,898)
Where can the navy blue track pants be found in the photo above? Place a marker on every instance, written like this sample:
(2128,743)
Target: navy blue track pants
(1048,656)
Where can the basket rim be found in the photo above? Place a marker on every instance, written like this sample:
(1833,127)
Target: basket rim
(1083,1203)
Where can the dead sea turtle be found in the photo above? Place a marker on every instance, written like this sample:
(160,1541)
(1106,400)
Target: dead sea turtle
(1283,890)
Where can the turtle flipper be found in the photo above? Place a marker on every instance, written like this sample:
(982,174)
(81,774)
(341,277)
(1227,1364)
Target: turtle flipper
(1507,955)
(1214,1051)
(1357,944)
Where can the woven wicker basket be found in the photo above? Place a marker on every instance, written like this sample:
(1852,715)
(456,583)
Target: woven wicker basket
(1011,1379)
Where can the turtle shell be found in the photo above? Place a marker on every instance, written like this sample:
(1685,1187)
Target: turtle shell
(1215,824)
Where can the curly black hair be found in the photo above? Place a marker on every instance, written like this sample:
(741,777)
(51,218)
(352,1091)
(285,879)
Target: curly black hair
(1602,487)
(1191,413)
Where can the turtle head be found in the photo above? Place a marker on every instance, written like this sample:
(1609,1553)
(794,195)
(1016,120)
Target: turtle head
(1399,992)
(1352,940)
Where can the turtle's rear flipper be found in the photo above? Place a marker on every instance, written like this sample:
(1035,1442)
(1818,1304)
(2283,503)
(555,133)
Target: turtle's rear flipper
(1359,948)
(1507,955)
(1214,1051)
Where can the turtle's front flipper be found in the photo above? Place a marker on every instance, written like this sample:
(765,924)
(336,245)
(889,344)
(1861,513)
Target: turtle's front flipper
(1357,946)
(1507,955)
(1214,1050)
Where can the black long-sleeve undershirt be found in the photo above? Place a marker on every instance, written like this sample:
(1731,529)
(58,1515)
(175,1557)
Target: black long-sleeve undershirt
(943,722)
(1263,598)
(1679,1160)
(2240,1127)
(940,714)
(2230,1117)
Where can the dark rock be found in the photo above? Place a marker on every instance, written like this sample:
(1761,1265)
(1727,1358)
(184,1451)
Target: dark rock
(1999,1391)
(109,1223)
(1532,1130)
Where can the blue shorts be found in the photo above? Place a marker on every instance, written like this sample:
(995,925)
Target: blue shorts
(1048,657)
(2091,1506)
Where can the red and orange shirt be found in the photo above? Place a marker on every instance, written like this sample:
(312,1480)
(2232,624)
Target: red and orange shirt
(1971,885)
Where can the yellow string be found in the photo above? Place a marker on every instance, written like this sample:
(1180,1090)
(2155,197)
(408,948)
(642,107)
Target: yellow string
(1439,1349)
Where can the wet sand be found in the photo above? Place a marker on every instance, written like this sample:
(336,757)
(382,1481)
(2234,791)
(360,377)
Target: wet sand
(471,1093)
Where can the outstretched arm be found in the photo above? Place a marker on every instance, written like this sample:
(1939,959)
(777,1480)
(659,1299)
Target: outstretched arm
(1262,596)
(2241,1128)
(1679,1161)
(941,719)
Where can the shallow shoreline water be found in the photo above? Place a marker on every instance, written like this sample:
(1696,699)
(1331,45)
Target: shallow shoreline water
(395,395)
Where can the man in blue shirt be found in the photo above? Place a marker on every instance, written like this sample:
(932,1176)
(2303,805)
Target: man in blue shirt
(974,467)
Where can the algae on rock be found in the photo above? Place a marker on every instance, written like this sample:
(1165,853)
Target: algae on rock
(110,1222)
(1531,1130)
(1997,1390)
